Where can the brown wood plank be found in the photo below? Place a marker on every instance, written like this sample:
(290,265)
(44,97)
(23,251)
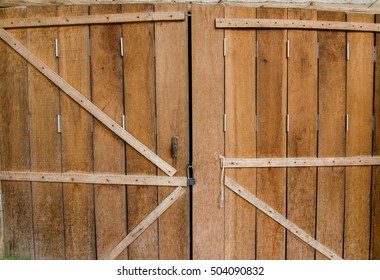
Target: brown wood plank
(240,137)
(332,109)
(14,145)
(172,87)
(45,144)
(107,94)
(208,138)
(271,135)
(375,238)
(139,90)
(74,67)
(359,140)
(302,136)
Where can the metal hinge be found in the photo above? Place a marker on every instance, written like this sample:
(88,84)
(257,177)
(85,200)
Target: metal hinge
(224,46)
(287,48)
(121,47)
(174,147)
(56,48)
(59,123)
(287,123)
(123,121)
(225,122)
(348,51)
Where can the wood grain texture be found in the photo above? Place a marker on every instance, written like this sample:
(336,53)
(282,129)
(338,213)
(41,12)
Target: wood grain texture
(240,137)
(109,156)
(359,140)
(208,138)
(331,137)
(14,145)
(45,143)
(139,92)
(375,227)
(172,87)
(302,137)
(74,67)
(271,134)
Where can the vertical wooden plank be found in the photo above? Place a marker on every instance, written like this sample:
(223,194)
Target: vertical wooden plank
(74,67)
(331,141)
(45,142)
(14,145)
(240,91)
(359,140)
(109,156)
(375,238)
(271,135)
(139,90)
(208,138)
(302,136)
(172,87)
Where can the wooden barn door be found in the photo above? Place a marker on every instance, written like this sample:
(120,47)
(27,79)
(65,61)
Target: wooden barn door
(266,98)
(103,95)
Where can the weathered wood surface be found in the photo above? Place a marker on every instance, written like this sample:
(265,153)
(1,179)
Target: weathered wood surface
(172,88)
(208,137)
(74,67)
(109,156)
(45,142)
(375,227)
(359,140)
(83,19)
(14,145)
(271,132)
(240,136)
(302,135)
(331,136)
(140,112)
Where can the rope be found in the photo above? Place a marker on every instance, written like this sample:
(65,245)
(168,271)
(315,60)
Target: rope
(222,161)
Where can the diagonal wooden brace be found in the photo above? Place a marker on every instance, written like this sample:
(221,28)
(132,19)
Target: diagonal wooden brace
(85,103)
(276,216)
(145,223)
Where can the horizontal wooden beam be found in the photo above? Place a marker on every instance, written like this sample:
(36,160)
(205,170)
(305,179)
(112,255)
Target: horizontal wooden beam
(295,24)
(91,19)
(85,103)
(300,162)
(145,223)
(101,179)
(276,216)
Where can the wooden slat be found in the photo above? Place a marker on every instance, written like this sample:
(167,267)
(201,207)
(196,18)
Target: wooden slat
(109,154)
(240,94)
(208,142)
(302,137)
(145,223)
(301,162)
(140,111)
(297,24)
(67,20)
(359,140)
(331,141)
(14,145)
(375,227)
(100,179)
(85,103)
(172,88)
(45,144)
(271,133)
(286,223)
(74,67)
